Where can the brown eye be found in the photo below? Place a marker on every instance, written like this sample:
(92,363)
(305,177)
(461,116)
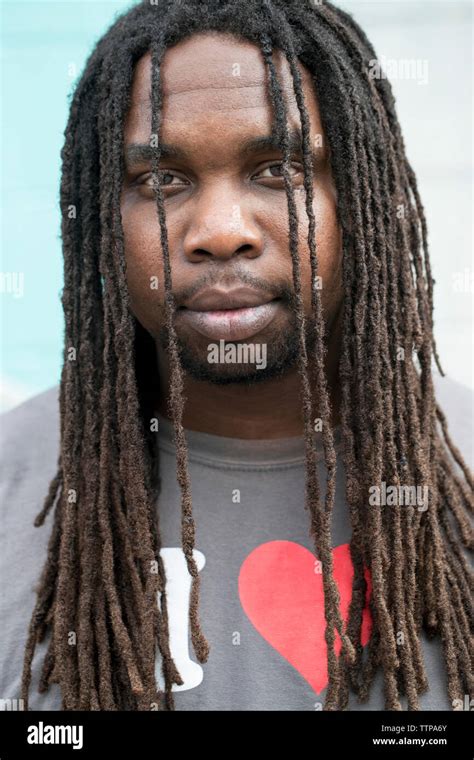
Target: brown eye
(294,169)
(166,179)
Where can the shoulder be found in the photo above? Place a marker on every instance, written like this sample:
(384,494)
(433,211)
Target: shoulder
(29,449)
(30,430)
(36,407)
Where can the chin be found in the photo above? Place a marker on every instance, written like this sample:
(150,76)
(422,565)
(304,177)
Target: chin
(197,366)
(232,377)
(275,352)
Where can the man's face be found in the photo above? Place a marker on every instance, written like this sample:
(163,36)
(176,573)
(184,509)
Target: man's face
(226,209)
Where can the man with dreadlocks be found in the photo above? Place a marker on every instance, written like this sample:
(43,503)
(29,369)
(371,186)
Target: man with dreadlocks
(255,500)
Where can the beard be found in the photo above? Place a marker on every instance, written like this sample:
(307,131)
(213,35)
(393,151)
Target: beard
(282,352)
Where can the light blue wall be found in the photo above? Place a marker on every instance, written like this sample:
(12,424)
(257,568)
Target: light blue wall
(45,45)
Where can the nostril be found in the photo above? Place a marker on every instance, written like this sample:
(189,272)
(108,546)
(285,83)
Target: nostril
(244,248)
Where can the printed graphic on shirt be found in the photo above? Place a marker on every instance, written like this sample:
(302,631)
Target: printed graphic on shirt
(178,590)
(281,591)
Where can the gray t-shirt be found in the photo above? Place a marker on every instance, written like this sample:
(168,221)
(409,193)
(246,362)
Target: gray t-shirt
(261,587)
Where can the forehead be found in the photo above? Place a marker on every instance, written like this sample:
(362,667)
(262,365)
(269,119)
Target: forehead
(213,80)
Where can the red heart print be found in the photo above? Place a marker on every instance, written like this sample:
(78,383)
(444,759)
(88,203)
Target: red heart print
(281,592)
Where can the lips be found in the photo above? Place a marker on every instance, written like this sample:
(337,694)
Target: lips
(230,315)
(238,298)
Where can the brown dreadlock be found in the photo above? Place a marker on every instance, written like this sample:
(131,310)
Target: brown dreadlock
(104,577)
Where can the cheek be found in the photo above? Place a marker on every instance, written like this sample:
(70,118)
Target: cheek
(143,257)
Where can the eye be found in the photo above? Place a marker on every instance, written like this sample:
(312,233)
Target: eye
(276,171)
(166,180)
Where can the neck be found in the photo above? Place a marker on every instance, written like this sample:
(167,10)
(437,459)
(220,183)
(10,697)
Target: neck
(270,410)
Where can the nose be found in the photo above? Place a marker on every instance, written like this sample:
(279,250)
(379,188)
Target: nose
(221,229)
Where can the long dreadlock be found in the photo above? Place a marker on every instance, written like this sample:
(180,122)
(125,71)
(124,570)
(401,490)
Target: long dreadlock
(104,578)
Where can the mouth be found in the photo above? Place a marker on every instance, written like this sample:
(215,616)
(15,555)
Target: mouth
(231,316)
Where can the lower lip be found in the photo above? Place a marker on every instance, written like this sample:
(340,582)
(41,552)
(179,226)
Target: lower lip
(231,324)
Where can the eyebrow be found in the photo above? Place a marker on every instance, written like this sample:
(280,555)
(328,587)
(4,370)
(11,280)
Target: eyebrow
(140,153)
